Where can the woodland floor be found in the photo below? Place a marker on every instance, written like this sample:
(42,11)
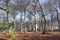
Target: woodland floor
(32,36)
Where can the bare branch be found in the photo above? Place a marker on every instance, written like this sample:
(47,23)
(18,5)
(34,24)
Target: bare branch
(3,9)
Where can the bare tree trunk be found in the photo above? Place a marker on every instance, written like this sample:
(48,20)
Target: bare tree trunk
(44,16)
(41,25)
(30,21)
(14,24)
(44,30)
(35,23)
(8,12)
(9,18)
(58,20)
(24,20)
(51,22)
(21,22)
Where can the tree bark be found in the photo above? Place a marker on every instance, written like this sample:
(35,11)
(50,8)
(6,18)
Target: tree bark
(44,16)
(8,11)
(24,20)
(21,22)
(51,22)
(58,20)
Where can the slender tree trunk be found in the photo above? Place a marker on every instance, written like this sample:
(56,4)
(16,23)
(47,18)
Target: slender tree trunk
(44,16)
(35,23)
(58,20)
(7,20)
(8,16)
(24,20)
(42,25)
(14,24)
(44,29)
(21,22)
(8,12)
(52,22)
(30,21)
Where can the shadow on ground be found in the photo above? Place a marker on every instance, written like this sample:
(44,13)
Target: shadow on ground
(3,39)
